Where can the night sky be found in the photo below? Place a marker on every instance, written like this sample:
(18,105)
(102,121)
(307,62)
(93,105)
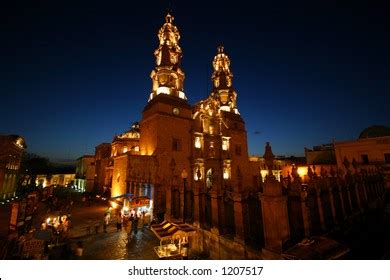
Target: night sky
(75,74)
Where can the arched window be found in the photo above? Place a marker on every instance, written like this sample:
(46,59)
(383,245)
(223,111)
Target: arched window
(226,173)
(225,143)
(209,178)
(197,142)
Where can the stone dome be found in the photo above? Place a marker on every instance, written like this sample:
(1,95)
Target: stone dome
(375,131)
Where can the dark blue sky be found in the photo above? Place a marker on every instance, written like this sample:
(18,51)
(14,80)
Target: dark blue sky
(74,74)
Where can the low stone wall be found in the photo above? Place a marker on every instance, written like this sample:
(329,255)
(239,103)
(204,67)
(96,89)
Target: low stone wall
(217,247)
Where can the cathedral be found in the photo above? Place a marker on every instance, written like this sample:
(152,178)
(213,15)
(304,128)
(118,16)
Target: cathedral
(188,164)
(191,161)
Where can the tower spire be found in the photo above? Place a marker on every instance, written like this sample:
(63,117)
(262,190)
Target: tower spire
(167,77)
(222,79)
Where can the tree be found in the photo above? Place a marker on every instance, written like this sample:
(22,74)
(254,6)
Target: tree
(31,166)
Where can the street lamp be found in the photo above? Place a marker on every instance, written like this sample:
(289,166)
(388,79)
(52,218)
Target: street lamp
(184,175)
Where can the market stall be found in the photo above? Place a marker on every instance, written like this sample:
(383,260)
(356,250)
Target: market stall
(173,239)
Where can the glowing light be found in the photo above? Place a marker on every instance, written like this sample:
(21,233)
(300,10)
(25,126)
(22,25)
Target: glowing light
(263,173)
(302,171)
(19,143)
(125,149)
(163,90)
(136,148)
(226,173)
(182,95)
(225,108)
(197,143)
(225,143)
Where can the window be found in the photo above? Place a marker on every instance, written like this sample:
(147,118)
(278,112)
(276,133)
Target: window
(365,159)
(197,143)
(387,158)
(125,149)
(209,178)
(136,148)
(226,172)
(198,173)
(211,149)
(238,150)
(176,144)
(225,143)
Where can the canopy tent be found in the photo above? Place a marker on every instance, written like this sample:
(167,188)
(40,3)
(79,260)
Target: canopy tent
(126,195)
(167,230)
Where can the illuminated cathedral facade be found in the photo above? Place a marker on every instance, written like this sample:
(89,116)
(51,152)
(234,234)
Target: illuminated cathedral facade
(190,160)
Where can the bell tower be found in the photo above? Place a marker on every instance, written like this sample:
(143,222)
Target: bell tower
(222,79)
(168,77)
(166,121)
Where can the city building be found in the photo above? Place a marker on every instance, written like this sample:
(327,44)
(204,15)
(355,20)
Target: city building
(58,179)
(320,155)
(191,161)
(85,173)
(189,164)
(102,165)
(371,151)
(11,150)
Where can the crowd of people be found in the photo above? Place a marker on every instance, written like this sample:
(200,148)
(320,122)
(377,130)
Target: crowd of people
(52,219)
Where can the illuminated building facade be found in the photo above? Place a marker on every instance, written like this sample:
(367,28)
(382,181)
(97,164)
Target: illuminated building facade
(192,162)
(85,173)
(11,150)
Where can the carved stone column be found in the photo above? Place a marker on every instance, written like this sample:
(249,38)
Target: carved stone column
(181,191)
(214,212)
(168,202)
(340,189)
(238,218)
(305,213)
(196,205)
(356,186)
(349,197)
(320,208)
(275,215)
(332,204)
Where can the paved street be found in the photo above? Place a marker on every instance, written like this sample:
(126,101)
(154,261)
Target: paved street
(112,245)
(115,245)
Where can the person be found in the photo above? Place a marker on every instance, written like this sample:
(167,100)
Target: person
(119,223)
(135,224)
(89,224)
(79,250)
(97,225)
(106,221)
(184,249)
(66,227)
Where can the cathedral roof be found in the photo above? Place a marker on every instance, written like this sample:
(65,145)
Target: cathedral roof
(132,133)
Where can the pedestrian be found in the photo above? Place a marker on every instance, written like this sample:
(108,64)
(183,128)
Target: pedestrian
(185,247)
(97,225)
(119,222)
(106,221)
(79,250)
(66,228)
(135,224)
(89,224)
